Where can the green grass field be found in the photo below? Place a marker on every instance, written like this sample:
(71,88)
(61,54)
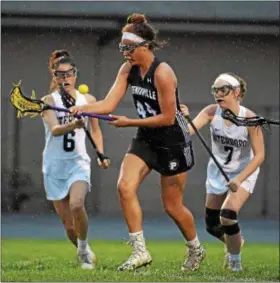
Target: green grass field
(55,261)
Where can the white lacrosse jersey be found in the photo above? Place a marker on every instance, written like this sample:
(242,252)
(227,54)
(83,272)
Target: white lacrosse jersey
(230,145)
(67,149)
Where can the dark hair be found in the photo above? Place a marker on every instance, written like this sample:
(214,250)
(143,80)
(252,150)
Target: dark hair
(138,24)
(243,85)
(59,57)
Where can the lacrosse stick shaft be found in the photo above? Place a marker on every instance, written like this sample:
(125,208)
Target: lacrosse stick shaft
(92,115)
(100,155)
(207,148)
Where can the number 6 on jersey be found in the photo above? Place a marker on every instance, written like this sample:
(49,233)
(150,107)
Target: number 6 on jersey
(68,142)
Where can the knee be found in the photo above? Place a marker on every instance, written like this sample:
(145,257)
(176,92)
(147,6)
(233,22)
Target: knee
(213,224)
(126,189)
(229,221)
(171,206)
(169,209)
(76,205)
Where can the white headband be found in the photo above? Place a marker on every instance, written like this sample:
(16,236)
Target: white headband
(229,79)
(132,36)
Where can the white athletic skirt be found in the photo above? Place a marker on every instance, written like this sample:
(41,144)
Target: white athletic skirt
(216,183)
(59,175)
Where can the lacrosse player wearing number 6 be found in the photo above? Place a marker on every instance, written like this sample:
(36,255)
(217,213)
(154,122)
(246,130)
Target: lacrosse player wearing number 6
(240,152)
(66,164)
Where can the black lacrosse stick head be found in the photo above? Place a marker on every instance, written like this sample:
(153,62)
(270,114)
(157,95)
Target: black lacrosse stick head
(227,114)
(254,121)
(67,100)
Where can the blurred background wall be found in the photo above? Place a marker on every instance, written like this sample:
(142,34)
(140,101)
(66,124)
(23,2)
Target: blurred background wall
(205,39)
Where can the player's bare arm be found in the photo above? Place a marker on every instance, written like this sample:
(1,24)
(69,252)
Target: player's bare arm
(203,118)
(53,124)
(113,98)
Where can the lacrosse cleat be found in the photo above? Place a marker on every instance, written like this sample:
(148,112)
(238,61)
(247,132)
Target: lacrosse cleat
(235,265)
(136,260)
(87,258)
(194,258)
(139,257)
(226,260)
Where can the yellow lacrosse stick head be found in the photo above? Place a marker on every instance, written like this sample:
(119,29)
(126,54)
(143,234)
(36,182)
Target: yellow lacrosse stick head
(22,103)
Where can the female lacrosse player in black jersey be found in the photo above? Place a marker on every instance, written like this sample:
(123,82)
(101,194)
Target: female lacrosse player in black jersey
(66,164)
(162,142)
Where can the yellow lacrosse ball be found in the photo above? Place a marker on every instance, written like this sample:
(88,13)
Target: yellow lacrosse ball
(83,89)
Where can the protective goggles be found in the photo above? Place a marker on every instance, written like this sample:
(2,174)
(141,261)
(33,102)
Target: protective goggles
(130,47)
(66,74)
(222,90)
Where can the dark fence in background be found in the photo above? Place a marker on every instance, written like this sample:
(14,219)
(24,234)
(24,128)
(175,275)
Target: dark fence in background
(205,39)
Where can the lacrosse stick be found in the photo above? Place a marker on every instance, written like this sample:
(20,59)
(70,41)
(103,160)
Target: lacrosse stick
(249,121)
(32,106)
(69,101)
(207,148)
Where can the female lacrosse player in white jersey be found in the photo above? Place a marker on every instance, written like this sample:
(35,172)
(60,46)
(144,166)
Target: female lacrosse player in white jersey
(66,164)
(240,151)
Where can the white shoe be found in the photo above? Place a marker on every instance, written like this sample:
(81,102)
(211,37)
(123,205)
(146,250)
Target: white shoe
(136,260)
(87,258)
(194,258)
(140,256)
(235,265)
(226,260)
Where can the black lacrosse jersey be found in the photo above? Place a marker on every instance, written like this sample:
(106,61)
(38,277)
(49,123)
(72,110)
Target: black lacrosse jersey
(145,98)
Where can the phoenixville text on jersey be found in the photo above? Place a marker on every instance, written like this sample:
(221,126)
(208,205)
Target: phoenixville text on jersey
(144,92)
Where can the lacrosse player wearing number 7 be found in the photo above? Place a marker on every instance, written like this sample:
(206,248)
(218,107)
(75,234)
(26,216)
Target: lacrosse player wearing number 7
(240,151)
(66,164)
